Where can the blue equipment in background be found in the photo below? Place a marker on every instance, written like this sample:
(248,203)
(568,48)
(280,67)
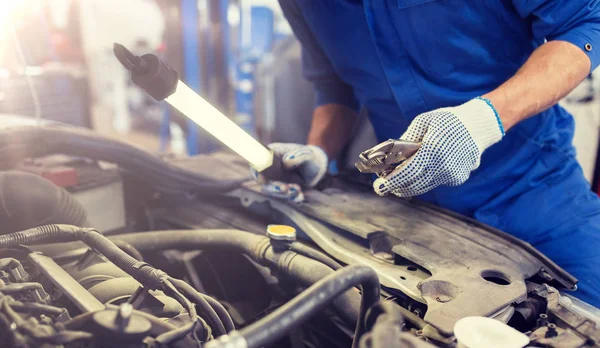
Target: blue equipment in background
(253,48)
(219,60)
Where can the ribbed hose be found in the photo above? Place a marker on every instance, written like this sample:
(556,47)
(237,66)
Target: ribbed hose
(46,233)
(304,270)
(142,272)
(28,200)
(19,143)
(302,307)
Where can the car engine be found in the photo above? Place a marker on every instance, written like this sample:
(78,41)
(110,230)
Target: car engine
(190,253)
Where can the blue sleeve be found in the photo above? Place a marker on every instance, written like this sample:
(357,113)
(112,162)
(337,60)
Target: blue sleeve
(574,21)
(317,68)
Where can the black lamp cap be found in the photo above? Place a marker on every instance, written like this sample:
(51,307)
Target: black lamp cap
(150,73)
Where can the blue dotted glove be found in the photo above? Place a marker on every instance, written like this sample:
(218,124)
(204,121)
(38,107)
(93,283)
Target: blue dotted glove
(309,160)
(453,140)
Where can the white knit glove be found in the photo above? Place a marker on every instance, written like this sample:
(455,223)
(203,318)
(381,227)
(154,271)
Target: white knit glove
(310,161)
(453,140)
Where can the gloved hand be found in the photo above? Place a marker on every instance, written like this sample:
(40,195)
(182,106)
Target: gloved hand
(453,140)
(310,161)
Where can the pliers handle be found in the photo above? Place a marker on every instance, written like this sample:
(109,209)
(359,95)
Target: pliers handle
(384,157)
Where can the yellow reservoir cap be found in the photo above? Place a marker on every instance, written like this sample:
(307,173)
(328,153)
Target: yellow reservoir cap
(281,232)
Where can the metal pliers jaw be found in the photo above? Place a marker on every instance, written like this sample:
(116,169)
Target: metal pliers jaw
(383,158)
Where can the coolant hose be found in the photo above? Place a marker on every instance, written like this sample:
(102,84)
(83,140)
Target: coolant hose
(307,271)
(303,269)
(302,307)
(384,323)
(28,200)
(314,254)
(23,142)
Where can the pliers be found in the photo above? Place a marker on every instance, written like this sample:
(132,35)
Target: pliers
(383,158)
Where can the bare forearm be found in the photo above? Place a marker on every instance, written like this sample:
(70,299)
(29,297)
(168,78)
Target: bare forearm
(331,128)
(551,72)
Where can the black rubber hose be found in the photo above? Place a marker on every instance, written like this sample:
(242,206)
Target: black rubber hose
(384,323)
(234,240)
(314,254)
(307,271)
(28,200)
(302,307)
(198,297)
(142,272)
(23,142)
(302,269)
(129,249)
(189,328)
(219,309)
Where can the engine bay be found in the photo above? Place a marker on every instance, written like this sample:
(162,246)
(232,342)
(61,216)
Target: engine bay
(190,253)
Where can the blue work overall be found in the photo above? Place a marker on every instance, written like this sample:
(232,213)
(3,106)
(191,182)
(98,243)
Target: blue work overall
(400,58)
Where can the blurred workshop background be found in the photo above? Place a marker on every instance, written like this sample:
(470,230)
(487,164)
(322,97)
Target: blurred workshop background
(57,64)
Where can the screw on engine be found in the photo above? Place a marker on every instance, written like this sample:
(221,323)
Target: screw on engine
(551,332)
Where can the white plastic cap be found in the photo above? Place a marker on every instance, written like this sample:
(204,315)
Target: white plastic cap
(482,332)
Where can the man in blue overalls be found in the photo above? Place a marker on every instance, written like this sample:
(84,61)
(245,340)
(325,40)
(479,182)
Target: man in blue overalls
(477,83)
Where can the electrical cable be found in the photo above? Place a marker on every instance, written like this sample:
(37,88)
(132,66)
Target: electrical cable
(199,297)
(212,317)
(303,270)
(169,337)
(144,273)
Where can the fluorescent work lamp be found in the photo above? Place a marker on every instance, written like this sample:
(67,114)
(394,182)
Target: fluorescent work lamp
(162,83)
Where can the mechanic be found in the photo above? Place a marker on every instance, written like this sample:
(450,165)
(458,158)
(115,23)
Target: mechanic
(477,83)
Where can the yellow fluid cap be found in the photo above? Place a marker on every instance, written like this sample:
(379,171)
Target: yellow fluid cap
(281,232)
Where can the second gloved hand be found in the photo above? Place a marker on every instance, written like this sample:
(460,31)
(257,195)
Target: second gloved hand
(453,140)
(309,161)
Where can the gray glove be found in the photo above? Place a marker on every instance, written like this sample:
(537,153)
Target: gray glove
(309,161)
